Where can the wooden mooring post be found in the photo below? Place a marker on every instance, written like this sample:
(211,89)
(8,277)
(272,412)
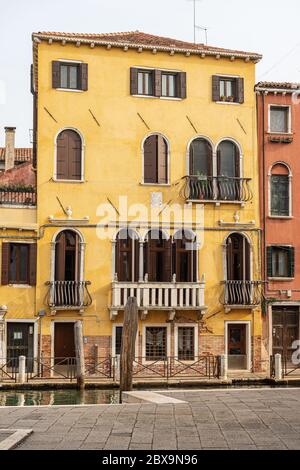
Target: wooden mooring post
(130,326)
(80,369)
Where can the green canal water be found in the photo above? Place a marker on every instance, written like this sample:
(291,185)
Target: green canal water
(58,397)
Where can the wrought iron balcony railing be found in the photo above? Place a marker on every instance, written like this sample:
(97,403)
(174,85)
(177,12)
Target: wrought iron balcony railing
(242,293)
(216,188)
(68,294)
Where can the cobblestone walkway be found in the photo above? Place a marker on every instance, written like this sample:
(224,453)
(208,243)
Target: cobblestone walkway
(223,419)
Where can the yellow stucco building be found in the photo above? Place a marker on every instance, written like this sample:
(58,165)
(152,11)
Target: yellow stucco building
(138,137)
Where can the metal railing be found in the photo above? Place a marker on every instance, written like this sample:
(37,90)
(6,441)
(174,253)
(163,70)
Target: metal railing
(202,366)
(68,294)
(9,370)
(52,368)
(17,197)
(246,293)
(216,188)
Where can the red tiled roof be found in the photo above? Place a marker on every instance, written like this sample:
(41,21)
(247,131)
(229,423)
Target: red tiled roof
(278,85)
(21,154)
(138,39)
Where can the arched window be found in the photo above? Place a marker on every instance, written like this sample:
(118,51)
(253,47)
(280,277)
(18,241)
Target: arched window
(200,158)
(155,160)
(127,256)
(68,155)
(228,167)
(67,256)
(184,256)
(158,257)
(280,191)
(238,258)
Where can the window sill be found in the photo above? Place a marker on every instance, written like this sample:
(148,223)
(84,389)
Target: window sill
(70,90)
(171,98)
(228,102)
(20,286)
(168,98)
(287,134)
(146,96)
(55,180)
(281,279)
(165,185)
(281,217)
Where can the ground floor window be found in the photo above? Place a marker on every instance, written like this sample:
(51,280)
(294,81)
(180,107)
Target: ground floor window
(156,343)
(186,343)
(118,339)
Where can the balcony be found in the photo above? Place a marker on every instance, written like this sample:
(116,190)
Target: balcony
(216,189)
(162,296)
(241,294)
(68,295)
(17,196)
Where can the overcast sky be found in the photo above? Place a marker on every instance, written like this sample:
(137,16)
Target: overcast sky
(270,27)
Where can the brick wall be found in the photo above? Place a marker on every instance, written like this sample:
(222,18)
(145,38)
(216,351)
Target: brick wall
(21,174)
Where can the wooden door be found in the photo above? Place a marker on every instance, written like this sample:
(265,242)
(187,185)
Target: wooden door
(64,344)
(237,354)
(285,331)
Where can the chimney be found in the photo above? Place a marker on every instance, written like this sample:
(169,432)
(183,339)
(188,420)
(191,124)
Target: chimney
(9,147)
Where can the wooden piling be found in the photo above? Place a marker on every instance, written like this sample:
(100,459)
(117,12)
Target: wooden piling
(130,326)
(80,368)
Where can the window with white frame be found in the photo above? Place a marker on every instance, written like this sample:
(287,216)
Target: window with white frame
(186,343)
(156,343)
(279,119)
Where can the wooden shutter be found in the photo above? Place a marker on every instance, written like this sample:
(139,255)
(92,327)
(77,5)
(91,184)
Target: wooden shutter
(133,81)
(162,160)
(74,155)
(62,155)
(229,259)
(237,161)
(60,257)
(84,77)
(291,261)
(157,83)
(269,261)
(55,74)
(240,90)
(167,264)
(151,260)
(136,245)
(32,263)
(182,85)
(5,263)
(216,88)
(150,159)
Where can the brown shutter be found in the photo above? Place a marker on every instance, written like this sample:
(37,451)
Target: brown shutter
(133,81)
(74,156)
(84,77)
(136,244)
(62,155)
(162,160)
(157,83)
(216,88)
(240,90)
(182,85)
(229,260)
(237,161)
(32,264)
(55,74)
(5,263)
(150,159)
(60,257)
(167,268)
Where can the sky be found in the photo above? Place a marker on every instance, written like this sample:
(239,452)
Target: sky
(270,27)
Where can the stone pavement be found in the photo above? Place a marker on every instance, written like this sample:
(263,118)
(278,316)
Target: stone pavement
(222,419)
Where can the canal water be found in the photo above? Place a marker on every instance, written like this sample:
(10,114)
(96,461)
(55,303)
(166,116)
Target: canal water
(58,397)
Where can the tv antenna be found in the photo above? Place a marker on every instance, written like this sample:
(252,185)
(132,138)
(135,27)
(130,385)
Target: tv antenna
(202,28)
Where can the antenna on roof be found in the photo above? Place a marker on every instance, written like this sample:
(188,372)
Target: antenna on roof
(195,25)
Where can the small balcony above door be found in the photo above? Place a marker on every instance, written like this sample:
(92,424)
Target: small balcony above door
(241,295)
(67,289)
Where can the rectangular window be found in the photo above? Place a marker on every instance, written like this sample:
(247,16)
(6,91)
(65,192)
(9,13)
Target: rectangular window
(19,263)
(186,343)
(279,119)
(118,339)
(156,343)
(228,89)
(69,76)
(281,261)
(169,85)
(145,83)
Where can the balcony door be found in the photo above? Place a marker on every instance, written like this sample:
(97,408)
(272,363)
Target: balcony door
(228,166)
(158,257)
(238,290)
(184,256)
(67,266)
(127,256)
